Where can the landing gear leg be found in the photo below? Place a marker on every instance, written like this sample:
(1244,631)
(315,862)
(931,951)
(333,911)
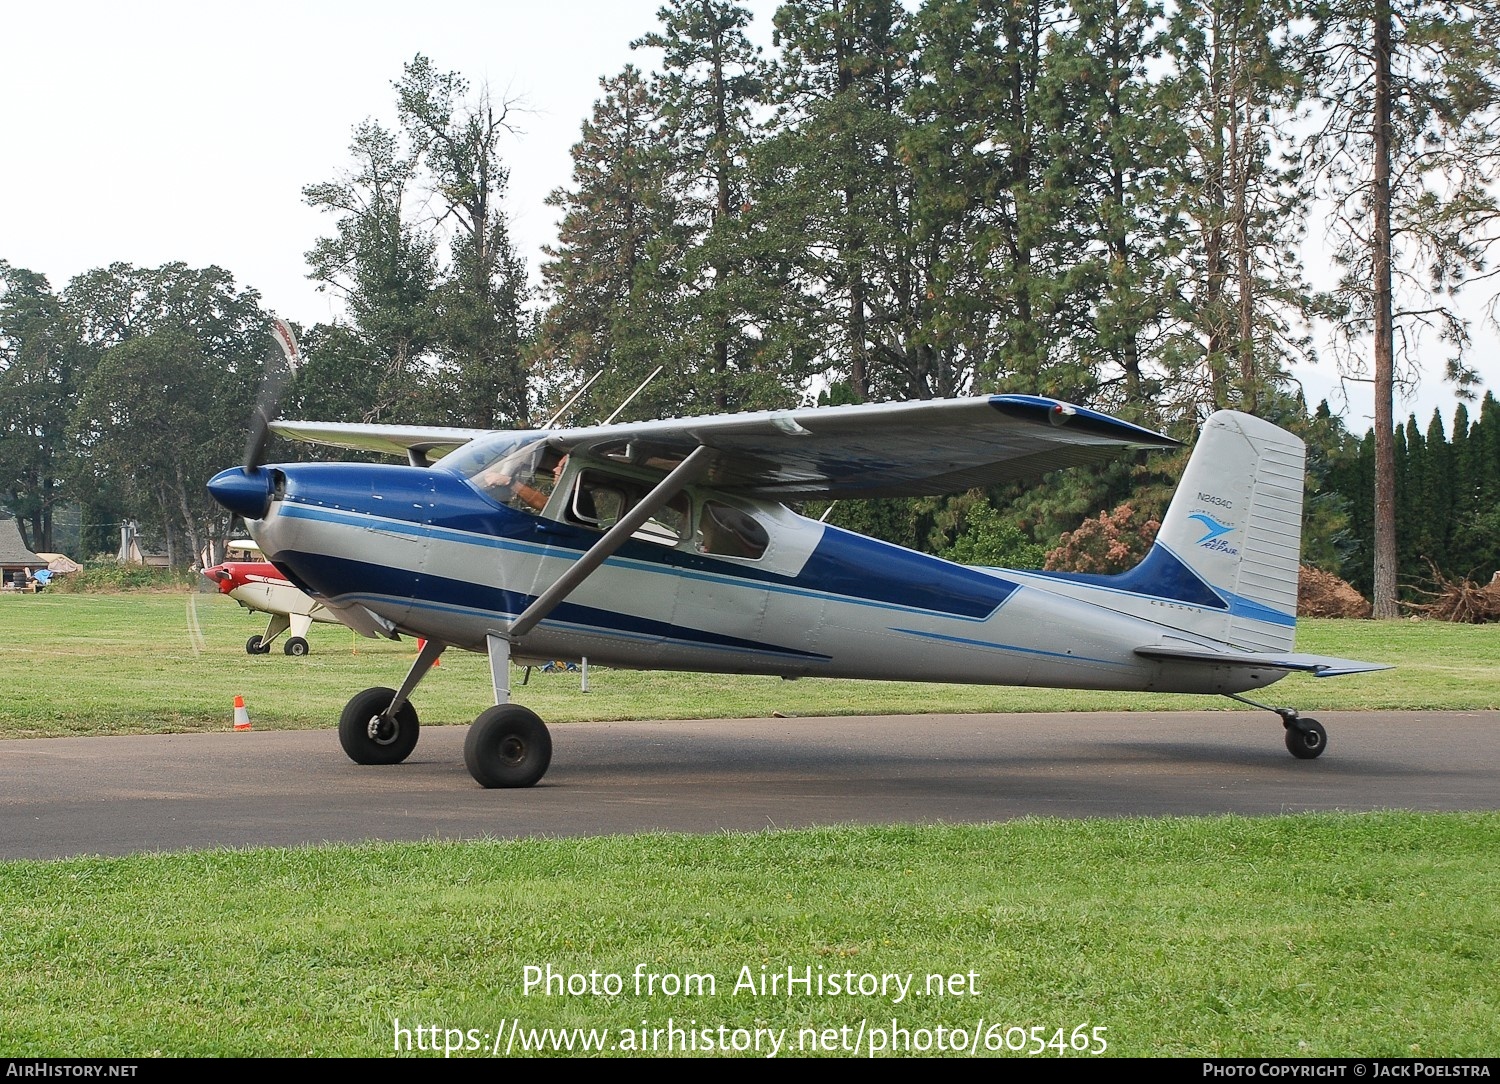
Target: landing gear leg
(297,645)
(508,745)
(380,726)
(278,624)
(1305,737)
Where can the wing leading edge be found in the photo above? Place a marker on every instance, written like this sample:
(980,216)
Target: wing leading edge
(419,443)
(911,449)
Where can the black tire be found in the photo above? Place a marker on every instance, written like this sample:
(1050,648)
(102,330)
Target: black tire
(1306,739)
(369,737)
(508,746)
(253,646)
(296,647)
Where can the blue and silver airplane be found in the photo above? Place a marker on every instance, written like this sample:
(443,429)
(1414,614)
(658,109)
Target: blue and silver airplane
(668,545)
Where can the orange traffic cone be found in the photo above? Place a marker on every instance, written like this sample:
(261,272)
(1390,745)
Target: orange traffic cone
(421,643)
(241,716)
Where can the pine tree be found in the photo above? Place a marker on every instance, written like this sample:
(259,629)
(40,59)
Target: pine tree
(834,185)
(1242,192)
(710,87)
(611,293)
(1117,138)
(1407,149)
(1435,530)
(994,196)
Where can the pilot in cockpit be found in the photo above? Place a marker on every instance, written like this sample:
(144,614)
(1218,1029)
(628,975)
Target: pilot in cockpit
(509,481)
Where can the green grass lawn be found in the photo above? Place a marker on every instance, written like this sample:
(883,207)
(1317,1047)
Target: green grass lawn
(1297,936)
(1282,936)
(127,663)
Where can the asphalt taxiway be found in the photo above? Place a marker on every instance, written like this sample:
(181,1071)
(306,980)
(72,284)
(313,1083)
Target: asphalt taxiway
(122,795)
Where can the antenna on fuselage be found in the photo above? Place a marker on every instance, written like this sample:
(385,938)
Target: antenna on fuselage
(632,395)
(568,405)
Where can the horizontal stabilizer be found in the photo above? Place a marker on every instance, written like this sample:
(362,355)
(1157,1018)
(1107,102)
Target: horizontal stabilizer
(1317,665)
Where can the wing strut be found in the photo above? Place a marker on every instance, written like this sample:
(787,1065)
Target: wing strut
(686,473)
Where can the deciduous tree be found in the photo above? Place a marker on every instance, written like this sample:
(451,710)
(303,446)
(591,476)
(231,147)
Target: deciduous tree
(179,356)
(380,262)
(456,131)
(41,362)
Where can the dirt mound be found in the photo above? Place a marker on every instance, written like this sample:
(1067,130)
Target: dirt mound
(1322,594)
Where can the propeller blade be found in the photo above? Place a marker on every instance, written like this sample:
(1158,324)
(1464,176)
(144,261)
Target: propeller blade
(281,365)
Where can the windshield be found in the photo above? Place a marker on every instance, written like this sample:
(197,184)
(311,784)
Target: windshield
(518,473)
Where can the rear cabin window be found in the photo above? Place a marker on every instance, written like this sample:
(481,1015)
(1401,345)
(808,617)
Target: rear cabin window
(729,532)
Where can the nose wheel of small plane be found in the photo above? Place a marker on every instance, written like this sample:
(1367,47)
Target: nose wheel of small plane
(1305,738)
(253,646)
(370,736)
(508,746)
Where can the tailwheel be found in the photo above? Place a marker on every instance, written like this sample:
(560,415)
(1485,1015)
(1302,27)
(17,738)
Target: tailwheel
(1305,738)
(508,746)
(370,736)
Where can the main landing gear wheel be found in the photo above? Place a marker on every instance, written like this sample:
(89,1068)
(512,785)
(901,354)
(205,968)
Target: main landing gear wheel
(296,646)
(253,646)
(1306,739)
(369,736)
(508,746)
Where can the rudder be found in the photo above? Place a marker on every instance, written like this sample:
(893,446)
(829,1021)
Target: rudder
(1235,523)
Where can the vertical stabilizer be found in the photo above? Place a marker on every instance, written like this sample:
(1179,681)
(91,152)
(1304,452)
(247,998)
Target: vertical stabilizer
(1225,562)
(1236,524)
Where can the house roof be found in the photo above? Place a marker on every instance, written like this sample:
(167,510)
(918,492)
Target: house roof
(13,551)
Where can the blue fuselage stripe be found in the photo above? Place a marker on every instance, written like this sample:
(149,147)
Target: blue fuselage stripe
(1009,647)
(379,583)
(437,505)
(1166,576)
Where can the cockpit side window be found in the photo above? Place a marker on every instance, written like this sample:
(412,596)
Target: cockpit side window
(730,532)
(600,499)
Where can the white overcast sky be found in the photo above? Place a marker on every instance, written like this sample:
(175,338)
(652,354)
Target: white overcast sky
(149,132)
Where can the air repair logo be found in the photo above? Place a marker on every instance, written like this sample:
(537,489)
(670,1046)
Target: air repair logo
(1213,530)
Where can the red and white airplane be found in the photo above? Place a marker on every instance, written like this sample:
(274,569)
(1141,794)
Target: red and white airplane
(256,585)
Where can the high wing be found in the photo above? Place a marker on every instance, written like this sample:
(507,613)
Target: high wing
(419,443)
(870,450)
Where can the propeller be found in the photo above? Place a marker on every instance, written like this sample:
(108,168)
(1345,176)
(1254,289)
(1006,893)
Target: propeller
(247,490)
(281,366)
(194,626)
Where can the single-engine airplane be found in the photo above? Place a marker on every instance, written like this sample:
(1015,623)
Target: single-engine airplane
(667,545)
(256,585)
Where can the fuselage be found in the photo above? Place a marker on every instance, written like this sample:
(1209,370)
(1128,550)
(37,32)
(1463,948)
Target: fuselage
(258,585)
(430,554)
